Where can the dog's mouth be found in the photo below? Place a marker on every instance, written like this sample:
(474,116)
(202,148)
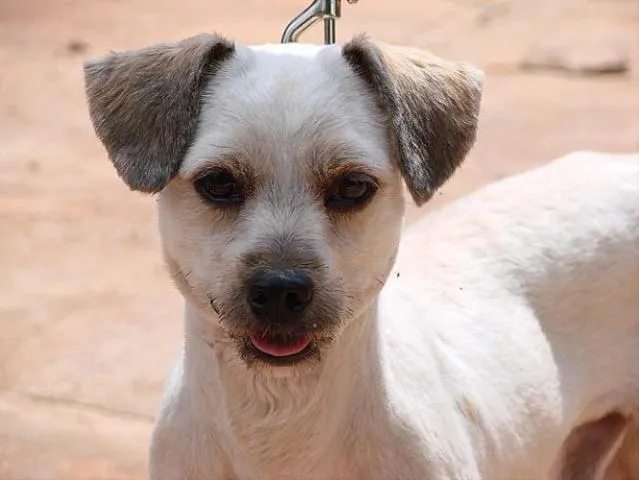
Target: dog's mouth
(281,350)
(280,347)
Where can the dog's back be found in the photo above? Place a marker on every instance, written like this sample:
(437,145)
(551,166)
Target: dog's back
(576,260)
(588,303)
(535,279)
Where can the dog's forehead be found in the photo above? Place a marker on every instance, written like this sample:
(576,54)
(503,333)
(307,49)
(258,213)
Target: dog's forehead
(291,50)
(276,100)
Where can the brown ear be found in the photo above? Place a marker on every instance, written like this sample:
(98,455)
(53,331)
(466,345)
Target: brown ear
(144,105)
(433,107)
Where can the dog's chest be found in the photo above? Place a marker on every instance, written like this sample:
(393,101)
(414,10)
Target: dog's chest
(302,459)
(288,448)
(320,446)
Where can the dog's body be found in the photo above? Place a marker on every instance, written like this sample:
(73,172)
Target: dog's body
(511,317)
(505,337)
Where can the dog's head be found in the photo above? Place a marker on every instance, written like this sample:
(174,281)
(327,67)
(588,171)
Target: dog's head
(279,171)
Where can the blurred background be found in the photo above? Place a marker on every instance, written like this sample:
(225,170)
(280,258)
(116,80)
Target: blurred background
(89,323)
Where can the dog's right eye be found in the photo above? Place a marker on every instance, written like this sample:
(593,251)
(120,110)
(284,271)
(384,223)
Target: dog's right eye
(219,187)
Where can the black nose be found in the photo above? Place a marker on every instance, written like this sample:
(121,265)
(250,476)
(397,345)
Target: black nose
(280,292)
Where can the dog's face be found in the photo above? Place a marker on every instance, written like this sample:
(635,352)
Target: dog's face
(279,171)
(284,216)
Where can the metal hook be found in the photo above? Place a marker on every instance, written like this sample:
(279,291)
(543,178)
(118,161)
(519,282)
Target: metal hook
(327,10)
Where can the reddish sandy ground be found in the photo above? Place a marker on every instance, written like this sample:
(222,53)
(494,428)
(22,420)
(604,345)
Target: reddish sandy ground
(89,322)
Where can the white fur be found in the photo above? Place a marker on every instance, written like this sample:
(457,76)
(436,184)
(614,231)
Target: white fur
(509,317)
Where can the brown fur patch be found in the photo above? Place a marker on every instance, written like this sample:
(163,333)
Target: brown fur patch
(625,465)
(145,104)
(469,410)
(432,105)
(589,448)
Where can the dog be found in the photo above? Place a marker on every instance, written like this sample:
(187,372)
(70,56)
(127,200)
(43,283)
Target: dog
(499,339)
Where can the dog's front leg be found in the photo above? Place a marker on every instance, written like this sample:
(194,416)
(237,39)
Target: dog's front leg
(188,455)
(185,445)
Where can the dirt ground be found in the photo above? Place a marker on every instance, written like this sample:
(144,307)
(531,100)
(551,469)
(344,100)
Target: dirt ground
(89,322)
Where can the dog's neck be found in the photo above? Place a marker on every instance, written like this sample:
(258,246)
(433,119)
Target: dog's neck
(314,404)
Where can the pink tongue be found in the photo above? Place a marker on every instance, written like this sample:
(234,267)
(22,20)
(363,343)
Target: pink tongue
(280,349)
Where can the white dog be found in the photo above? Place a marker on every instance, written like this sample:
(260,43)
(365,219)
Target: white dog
(501,342)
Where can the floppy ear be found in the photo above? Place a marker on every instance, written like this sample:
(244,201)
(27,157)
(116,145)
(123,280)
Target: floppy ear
(432,105)
(144,105)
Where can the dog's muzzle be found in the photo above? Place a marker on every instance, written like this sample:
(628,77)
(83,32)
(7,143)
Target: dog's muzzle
(279,299)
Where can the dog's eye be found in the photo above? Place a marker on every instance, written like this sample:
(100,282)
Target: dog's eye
(351,190)
(219,187)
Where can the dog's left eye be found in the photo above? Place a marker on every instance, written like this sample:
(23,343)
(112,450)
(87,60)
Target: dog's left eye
(219,187)
(351,190)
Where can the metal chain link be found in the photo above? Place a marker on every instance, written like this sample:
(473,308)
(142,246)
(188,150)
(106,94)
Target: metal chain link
(326,10)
